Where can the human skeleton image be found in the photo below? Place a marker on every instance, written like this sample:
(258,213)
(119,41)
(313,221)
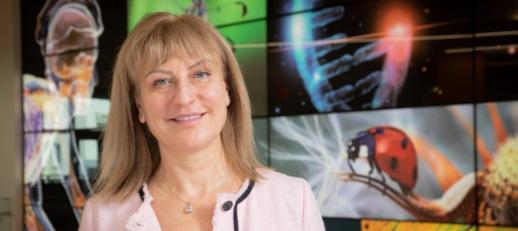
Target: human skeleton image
(67,33)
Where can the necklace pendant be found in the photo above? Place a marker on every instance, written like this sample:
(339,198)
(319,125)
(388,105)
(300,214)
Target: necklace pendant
(188,208)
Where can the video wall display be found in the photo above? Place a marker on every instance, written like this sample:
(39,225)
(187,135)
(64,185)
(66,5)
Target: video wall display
(261,135)
(452,184)
(402,115)
(497,149)
(495,46)
(400,160)
(67,58)
(357,55)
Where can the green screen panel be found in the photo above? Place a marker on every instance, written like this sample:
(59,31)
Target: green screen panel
(224,12)
(217,12)
(139,8)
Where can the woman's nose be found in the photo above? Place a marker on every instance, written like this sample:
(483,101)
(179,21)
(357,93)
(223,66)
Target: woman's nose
(185,93)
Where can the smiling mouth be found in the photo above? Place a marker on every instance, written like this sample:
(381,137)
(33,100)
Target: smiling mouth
(187,118)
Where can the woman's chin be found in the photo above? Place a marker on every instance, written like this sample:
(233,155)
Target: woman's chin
(186,144)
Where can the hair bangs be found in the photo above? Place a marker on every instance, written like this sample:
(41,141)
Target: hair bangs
(177,39)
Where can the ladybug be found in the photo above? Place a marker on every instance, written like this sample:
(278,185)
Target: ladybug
(387,149)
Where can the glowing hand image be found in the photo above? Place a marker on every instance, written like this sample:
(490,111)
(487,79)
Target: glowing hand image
(317,71)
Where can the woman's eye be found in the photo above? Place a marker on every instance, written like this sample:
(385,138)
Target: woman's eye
(160,82)
(201,74)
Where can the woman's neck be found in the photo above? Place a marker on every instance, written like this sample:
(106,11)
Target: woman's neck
(193,173)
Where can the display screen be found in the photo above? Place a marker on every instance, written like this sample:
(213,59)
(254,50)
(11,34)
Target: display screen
(400,160)
(401,115)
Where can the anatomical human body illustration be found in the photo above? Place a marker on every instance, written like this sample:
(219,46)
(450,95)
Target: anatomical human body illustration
(67,33)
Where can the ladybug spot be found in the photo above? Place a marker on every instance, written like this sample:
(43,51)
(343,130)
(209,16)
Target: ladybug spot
(379,131)
(404,143)
(393,163)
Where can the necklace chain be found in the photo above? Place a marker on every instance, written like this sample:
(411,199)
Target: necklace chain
(188,205)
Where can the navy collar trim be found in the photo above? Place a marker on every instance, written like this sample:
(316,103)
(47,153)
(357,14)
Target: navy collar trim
(239,200)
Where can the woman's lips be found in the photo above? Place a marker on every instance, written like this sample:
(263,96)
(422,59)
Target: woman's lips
(187,119)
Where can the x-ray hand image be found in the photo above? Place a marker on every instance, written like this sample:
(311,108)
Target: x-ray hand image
(318,66)
(346,66)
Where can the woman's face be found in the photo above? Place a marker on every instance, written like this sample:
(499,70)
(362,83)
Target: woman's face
(184,102)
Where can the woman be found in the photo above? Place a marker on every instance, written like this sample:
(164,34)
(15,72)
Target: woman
(178,151)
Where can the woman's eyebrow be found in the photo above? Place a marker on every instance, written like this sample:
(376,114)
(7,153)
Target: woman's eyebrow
(158,70)
(170,72)
(199,63)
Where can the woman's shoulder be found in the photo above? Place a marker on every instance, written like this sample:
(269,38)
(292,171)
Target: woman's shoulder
(98,203)
(277,177)
(273,180)
(290,199)
(102,213)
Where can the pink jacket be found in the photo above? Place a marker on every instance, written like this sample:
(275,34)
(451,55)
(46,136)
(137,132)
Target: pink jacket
(277,202)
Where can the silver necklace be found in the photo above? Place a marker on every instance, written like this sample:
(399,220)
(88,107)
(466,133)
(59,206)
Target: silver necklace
(188,204)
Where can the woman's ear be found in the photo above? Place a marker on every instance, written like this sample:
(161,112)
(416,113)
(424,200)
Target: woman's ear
(141,117)
(227,96)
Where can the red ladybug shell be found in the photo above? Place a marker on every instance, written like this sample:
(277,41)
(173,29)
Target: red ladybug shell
(395,155)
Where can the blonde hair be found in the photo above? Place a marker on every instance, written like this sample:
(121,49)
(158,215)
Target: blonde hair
(130,154)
